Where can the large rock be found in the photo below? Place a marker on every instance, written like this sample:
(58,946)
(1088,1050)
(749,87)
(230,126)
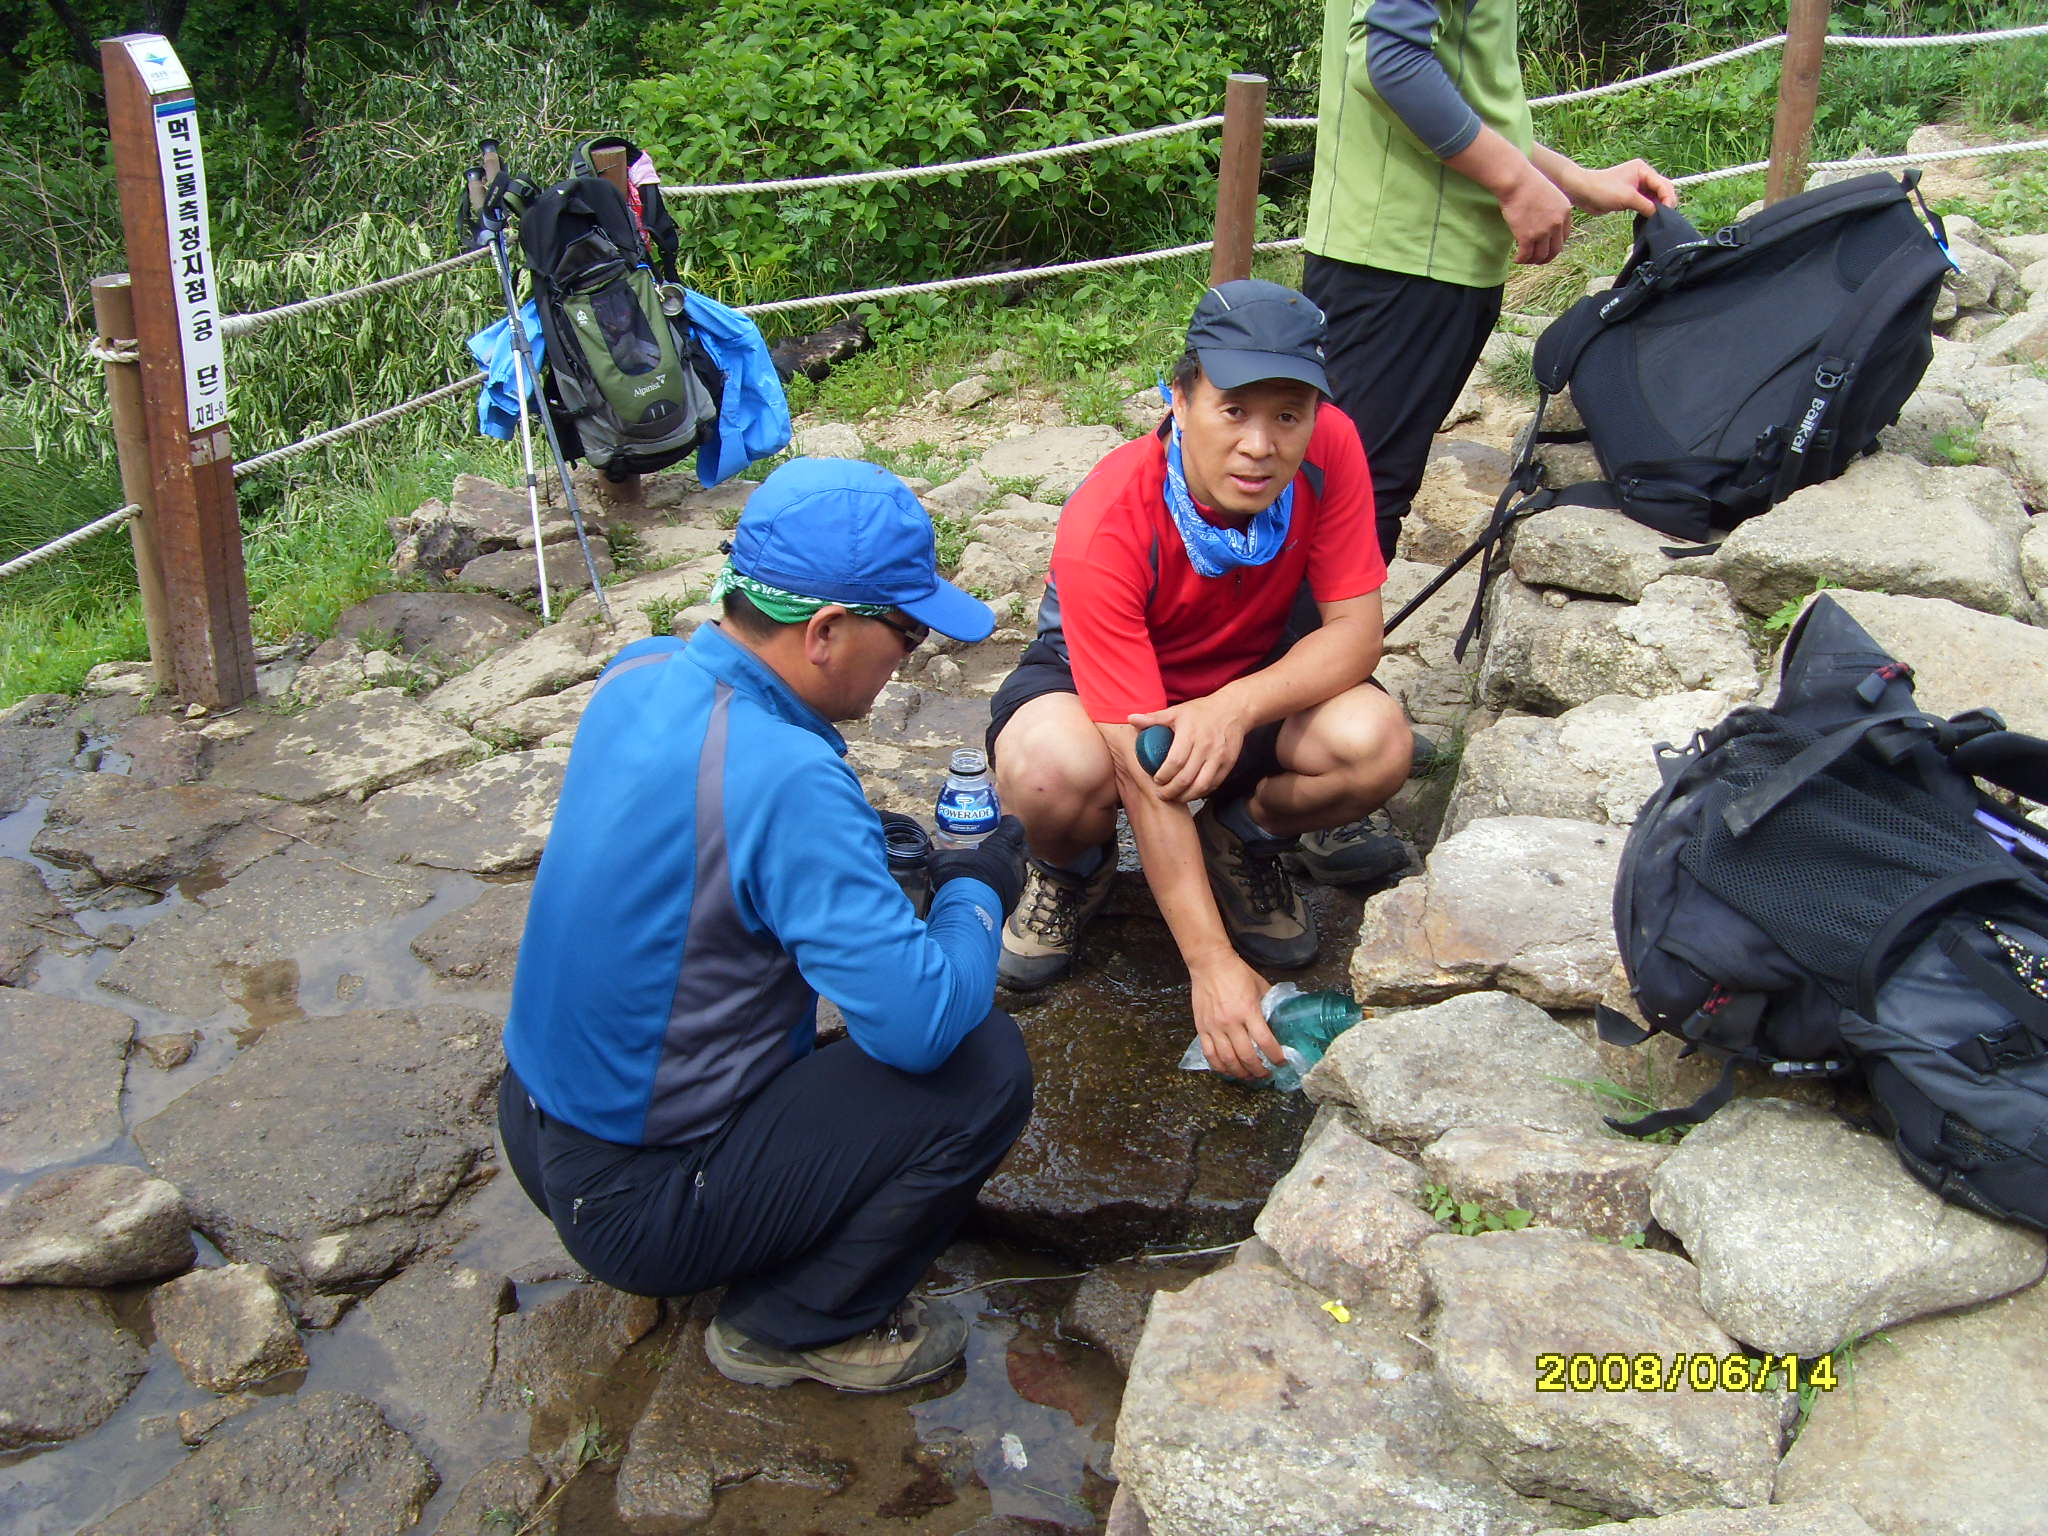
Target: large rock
(325,1464)
(100,1224)
(479,945)
(357,745)
(555,658)
(2014,438)
(491,818)
(1833,1518)
(1599,1185)
(1932,426)
(2022,340)
(1961,659)
(504,1499)
(1938,1427)
(1347,1220)
(1596,762)
(548,721)
(1592,551)
(450,629)
(131,834)
(227,1328)
(244,941)
(65,1364)
(1446,515)
(701,1433)
(516,573)
(553,1360)
(1507,1299)
(1523,903)
(1809,1233)
(30,914)
(2034,560)
(1888,524)
(1054,460)
(39,736)
(439,1322)
(60,1095)
(1411,1076)
(1251,1408)
(335,1197)
(1685,633)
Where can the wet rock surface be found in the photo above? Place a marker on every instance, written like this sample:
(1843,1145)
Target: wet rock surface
(101,1224)
(491,818)
(228,1327)
(30,917)
(126,833)
(478,946)
(451,628)
(334,1197)
(355,745)
(65,1364)
(439,1323)
(60,1096)
(324,1461)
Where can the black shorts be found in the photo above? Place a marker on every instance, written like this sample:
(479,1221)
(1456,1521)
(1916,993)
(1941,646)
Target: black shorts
(1042,670)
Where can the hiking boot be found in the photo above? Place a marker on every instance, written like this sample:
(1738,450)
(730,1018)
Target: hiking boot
(919,1340)
(1044,930)
(1268,922)
(1362,852)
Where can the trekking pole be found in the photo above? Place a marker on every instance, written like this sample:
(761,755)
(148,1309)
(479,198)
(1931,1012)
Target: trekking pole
(478,200)
(494,216)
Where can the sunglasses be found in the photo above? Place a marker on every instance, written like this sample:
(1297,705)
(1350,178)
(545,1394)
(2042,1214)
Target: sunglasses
(912,635)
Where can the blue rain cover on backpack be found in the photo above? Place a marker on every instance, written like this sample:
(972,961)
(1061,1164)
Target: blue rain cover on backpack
(753,414)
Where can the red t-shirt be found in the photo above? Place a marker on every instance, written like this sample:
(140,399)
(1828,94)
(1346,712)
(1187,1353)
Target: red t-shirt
(1144,630)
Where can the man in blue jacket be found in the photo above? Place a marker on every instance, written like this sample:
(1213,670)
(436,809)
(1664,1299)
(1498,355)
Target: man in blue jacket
(712,869)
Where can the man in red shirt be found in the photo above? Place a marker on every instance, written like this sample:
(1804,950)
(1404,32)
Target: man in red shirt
(1173,572)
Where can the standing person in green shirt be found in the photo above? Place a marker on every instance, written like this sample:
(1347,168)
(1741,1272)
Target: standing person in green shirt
(1428,186)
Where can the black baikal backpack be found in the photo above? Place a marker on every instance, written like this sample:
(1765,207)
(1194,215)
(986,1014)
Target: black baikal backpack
(630,388)
(1821,888)
(1721,373)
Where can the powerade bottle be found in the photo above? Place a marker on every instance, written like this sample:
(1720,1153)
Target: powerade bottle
(967,810)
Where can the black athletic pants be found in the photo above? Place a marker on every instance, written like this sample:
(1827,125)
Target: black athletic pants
(819,1205)
(1398,351)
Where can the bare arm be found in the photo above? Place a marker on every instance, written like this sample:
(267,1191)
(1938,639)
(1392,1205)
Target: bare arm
(1224,991)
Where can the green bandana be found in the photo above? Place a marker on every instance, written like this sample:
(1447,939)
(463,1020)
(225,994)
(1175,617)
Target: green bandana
(785,607)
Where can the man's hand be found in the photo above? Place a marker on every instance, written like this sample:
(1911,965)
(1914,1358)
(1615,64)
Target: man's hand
(1208,734)
(1539,216)
(1226,997)
(997,862)
(1632,187)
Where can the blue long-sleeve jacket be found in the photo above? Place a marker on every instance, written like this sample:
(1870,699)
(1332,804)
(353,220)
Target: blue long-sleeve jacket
(712,869)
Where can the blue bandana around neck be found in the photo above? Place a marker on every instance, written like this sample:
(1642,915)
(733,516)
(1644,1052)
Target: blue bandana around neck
(1212,550)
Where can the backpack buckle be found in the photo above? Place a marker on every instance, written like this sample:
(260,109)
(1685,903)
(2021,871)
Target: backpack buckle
(1728,237)
(1828,378)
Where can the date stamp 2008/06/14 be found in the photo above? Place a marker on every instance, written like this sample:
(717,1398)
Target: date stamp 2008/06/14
(1586,1372)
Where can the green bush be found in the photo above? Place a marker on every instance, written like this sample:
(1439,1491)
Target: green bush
(784,88)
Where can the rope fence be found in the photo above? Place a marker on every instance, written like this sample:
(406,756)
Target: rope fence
(336,434)
(57,546)
(243,325)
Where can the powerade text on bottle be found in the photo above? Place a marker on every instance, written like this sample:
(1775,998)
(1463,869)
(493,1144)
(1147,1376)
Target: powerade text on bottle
(967,810)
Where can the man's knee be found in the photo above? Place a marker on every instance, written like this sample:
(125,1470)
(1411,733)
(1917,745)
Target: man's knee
(1052,763)
(1361,736)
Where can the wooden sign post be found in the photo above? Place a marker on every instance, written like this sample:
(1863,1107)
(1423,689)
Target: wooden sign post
(195,528)
(1237,177)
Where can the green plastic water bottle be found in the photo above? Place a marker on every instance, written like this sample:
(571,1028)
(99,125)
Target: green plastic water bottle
(1304,1023)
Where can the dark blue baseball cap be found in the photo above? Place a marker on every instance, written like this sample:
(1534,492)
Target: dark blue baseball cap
(1250,330)
(851,532)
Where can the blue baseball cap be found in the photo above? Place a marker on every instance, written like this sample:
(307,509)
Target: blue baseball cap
(851,532)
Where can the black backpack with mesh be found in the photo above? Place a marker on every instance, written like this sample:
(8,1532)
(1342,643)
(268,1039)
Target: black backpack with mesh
(1822,888)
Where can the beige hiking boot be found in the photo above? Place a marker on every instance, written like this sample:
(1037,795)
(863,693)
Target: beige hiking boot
(1044,930)
(921,1339)
(1269,923)
(1362,852)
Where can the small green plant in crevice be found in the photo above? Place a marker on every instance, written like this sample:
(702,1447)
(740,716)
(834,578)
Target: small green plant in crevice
(1787,613)
(629,550)
(1626,1098)
(1016,485)
(1512,371)
(951,534)
(1469,1217)
(1958,447)
(592,1443)
(662,611)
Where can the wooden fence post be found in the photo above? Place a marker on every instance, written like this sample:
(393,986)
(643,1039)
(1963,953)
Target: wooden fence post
(1806,33)
(196,531)
(113,315)
(627,494)
(1237,177)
